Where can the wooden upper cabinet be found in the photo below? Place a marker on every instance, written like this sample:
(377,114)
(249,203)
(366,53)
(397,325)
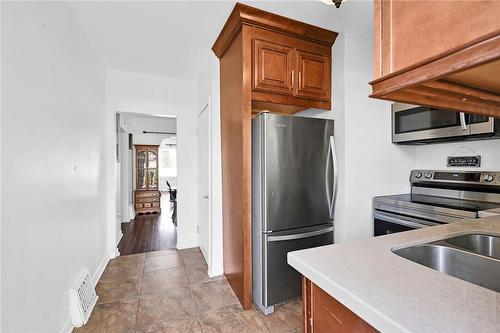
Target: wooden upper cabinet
(443,54)
(314,76)
(281,69)
(273,67)
(289,74)
(290,61)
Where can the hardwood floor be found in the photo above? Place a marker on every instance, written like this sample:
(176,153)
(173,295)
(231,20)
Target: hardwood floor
(150,233)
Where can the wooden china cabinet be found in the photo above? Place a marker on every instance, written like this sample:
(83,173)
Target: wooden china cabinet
(147,194)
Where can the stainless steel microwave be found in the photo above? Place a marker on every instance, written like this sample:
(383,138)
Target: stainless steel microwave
(413,124)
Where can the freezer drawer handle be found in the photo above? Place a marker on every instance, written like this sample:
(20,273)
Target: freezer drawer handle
(299,236)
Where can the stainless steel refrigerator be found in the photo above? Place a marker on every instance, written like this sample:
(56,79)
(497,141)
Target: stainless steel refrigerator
(294,185)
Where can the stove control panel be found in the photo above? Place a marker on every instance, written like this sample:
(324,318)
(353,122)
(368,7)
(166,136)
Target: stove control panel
(457,177)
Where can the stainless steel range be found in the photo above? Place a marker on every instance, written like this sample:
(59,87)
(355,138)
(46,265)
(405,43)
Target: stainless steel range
(437,197)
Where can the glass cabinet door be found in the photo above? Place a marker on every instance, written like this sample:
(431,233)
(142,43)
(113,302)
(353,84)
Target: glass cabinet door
(141,160)
(152,159)
(152,179)
(152,169)
(147,168)
(141,179)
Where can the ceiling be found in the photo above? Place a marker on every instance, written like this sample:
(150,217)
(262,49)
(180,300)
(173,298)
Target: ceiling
(170,38)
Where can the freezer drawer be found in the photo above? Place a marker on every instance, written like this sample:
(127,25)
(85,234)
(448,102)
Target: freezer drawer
(281,281)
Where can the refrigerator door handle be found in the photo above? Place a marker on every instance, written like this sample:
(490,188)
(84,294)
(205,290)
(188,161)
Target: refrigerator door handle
(299,236)
(335,181)
(328,181)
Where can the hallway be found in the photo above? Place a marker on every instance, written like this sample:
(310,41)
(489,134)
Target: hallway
(170,291)
(148,233)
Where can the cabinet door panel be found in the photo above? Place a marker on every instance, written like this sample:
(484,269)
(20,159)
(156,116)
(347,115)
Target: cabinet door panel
(329,315)
(313,76)
(272,67)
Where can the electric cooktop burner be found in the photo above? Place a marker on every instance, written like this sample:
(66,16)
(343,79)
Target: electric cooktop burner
(460,204)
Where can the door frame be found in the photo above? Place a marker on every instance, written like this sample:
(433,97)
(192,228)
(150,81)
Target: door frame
(209,254)
(112,237)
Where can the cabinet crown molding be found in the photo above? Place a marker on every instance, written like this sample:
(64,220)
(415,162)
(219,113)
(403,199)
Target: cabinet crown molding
(243,14)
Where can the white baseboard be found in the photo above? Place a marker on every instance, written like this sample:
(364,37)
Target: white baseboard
(100,270)
(119,238)
(189,245)
(68,327)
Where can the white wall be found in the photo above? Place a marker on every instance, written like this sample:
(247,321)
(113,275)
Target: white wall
(128,92)
(52,163)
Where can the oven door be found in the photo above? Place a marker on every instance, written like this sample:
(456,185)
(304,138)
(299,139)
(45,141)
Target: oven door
(389,223)
(420,123)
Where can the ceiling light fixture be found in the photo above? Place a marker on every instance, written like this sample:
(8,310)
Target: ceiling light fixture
(337,3)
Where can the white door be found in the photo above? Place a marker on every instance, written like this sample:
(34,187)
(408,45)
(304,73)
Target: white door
(203,181)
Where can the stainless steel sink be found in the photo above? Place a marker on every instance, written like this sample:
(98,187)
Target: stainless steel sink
(471,267)
(482,244)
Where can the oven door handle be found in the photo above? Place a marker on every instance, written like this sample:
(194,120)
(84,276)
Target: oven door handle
(411,224)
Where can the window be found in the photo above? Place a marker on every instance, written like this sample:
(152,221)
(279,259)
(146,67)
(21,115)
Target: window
(168,162)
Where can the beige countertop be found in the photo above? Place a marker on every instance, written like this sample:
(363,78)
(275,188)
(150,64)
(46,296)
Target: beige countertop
(394,294)
(489,212)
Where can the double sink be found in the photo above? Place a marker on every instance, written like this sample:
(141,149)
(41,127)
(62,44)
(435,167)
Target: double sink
(474,258)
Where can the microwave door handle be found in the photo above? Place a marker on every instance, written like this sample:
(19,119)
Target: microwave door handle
(463,122)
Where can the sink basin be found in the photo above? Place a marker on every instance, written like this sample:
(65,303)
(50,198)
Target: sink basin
(477,269)
(482,244)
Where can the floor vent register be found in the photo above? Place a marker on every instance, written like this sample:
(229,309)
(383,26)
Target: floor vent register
(82,298)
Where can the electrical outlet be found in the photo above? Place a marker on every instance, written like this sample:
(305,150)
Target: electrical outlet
(197,229)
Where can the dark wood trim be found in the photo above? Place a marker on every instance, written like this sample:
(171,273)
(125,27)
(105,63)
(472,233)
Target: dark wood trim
(446,100)
(261,98)
(235,74)
(247,166)
(246,15)
(306,304)
(487,50)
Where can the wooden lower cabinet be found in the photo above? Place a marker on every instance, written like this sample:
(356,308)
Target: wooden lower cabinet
(324,314)
(147,202)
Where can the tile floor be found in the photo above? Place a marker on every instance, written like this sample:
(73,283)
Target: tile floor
(170,292)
